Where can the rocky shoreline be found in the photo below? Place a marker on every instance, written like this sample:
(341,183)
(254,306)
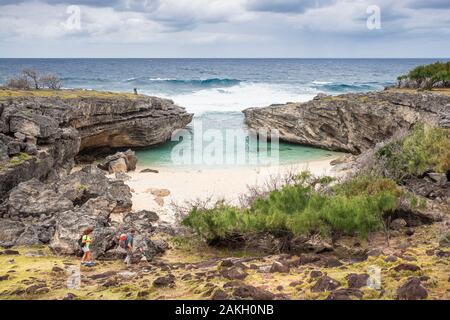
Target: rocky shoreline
(351,122)
(43,202)
(41,136)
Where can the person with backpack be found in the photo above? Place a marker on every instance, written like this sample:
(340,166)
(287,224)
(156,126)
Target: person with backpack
(128,244)
(86,241)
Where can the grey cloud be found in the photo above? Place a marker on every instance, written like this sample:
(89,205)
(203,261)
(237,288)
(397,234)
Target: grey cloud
(285,6)
(429,4)
(93,3)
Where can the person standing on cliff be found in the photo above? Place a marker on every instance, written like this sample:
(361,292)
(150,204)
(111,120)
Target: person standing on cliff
(129,242)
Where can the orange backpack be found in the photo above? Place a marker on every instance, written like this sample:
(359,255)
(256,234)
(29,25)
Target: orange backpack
(122,239)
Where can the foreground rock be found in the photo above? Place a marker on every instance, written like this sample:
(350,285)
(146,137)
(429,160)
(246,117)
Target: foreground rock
(56,214)
(40,136)
(350,122)
(412,290)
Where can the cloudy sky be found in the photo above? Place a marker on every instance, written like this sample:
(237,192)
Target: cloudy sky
(225,28)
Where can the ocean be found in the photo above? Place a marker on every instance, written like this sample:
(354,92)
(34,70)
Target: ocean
(217,90)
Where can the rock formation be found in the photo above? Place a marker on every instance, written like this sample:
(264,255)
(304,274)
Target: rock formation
(350,122)
(56,214)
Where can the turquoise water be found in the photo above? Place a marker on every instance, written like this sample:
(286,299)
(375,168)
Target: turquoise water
(253,152)
(217,90)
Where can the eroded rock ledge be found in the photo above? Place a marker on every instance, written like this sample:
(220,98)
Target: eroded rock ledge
(351,122)
(41,132)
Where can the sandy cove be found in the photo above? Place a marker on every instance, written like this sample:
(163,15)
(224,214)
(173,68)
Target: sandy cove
(150,191)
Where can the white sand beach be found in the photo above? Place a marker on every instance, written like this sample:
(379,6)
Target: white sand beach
(151,190)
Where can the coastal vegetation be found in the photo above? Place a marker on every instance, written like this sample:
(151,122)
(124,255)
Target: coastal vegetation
(356,206)
(32,79)
(429,76)
(309,206)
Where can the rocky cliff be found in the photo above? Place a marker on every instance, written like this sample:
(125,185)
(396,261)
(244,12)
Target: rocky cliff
(351,122)
(41,132)
(37,213)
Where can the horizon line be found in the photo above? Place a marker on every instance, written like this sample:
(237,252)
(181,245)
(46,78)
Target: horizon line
(243,58)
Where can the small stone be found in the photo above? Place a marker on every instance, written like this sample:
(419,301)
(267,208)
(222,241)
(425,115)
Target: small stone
(315,274)
(250,292)
(345,294)
(219,294)
(10,252)
(390,258)
(406,267)
(69,296)
(57,269)
(111,283)
(325,284)
(149,171)
(159,201)
(226,263)
(295,283)
(374,252)
(234,273)
(5,277)
(159,192)
(356,281)
(166,281)
(398,224)
(142,294)
(279,267)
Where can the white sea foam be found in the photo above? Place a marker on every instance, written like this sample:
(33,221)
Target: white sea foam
(239,97)
(321,82)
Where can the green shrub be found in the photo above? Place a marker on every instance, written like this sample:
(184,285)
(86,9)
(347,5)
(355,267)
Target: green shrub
(428,76)
(424,148)
(356,207)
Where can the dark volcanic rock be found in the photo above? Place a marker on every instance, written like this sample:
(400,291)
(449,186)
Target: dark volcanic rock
(233,273)
(406,267)
(345,294)
(220,295)
(166,281)
(280,267)
(308,258)
(357,281)
(11,252)
(412,290)
(5,277)
(325,284)
(250,292)
(350,122)
(315,274)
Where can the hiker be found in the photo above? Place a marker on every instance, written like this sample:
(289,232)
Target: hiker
(86,240)
(129,242)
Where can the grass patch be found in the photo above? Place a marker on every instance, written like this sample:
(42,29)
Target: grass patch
(19,159)
(6,94)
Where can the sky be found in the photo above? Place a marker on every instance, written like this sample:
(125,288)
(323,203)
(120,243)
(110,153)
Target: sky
(225,28)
